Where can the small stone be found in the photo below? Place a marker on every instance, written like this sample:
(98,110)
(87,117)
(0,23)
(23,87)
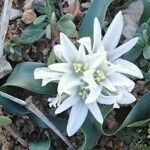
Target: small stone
(29,16)
(14,13)
(86,5)
(45,51)
(109,144)
(12,26)
(5,67)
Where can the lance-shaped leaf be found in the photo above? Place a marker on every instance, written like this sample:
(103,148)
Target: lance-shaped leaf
(98,9)
(22,77)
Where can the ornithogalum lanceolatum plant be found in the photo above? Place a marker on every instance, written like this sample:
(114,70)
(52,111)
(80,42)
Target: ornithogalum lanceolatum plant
(92,74)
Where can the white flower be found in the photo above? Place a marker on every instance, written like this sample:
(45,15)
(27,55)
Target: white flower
(121,97)
(79,109)
(109,43)
(74,63)
(111,76)
(98,76)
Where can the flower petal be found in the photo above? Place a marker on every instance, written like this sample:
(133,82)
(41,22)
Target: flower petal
(69,51)
(77,116)
(48,80)
(119,51)
(107,100)
(67,82)
(86,41)
(95,60)
(68,103)
(95,110)
(120,80)
(44,72)
(58,51)
(93,95)
(127,67)
(60,67)
(112,36)
(111,98)
(127,98)
(81,54)
(88,78)
(108,85)
(96,34)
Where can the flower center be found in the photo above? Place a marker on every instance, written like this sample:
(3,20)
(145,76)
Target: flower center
(99,75)
(79,68)
(84,92)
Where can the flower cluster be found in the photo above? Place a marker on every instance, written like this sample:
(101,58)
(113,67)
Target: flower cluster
(92,74)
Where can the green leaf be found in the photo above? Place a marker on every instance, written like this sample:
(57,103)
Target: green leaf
(133,54)
(146,12)
(51,58)
(147,76)
(146,52)
(45,145)
(39,20)
(53,19)
(39,6)
(48,31)
(91,135)
(135,115)
(4,121)
(98,9)
(58,122)
(67,26)
(32,34)
(139,123)
(12,107)
(22,76)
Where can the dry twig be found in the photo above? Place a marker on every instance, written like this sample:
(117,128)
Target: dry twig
(31,107)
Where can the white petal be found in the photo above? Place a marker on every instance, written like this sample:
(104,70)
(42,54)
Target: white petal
(127,98)
(86,41)
(111,98)
(116,105)
(48,80)
(112,36)
(95,60)
(71,90)
(128,68)
(69,51)
(107,100)
(96,34)
(58,51)
(77,117)
(110,70)
(94,109)
(119,51)
(120,80)
(93,95)
(67,82)
(81,54)
(44,72)
(88,78)
(101,49)
(40,73)
(108,85)
(68,103)
(60,67)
